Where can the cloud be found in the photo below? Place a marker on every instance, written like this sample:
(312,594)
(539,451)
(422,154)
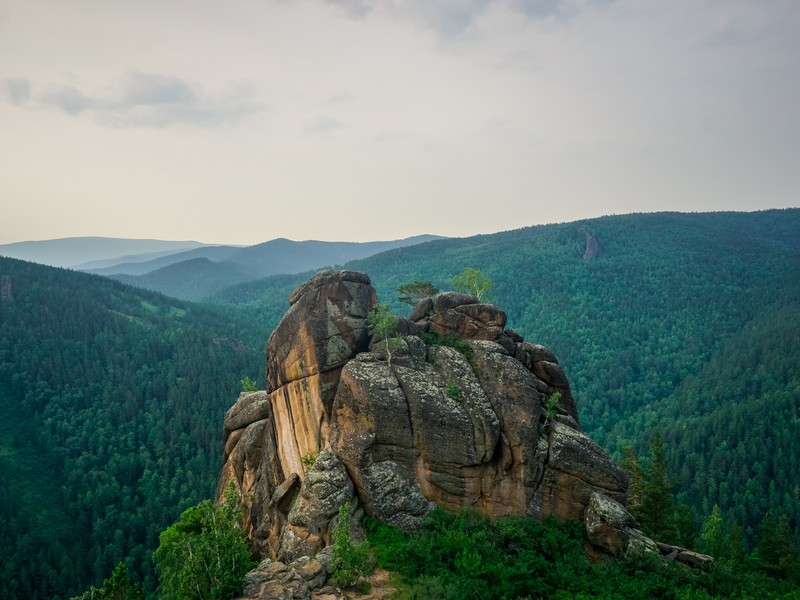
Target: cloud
(322,125)
(17,90)
(448,18)
(144,100)
(352,8)
(452,18)
(538,9)
(68,98)
(153,89)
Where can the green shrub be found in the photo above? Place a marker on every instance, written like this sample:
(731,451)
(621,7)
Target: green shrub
(307,460)
(453,391)
(248,385)
(469,556)
(350,562)
(204,555)
(451,340)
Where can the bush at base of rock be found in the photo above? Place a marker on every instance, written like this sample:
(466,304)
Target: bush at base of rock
(468,556)
(204,555)
(350,562)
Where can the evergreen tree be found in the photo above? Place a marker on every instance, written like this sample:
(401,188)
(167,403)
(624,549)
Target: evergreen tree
(117,587)
(411,293)
(650,497)
(712,537)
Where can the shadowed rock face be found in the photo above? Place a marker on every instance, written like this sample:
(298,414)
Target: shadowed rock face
(464,427)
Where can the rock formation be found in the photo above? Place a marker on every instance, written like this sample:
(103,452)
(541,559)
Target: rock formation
(592,246)
(467,415)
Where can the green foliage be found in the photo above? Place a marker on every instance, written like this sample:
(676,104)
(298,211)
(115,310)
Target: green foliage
(431,338)
(469,556)
(115,395)
(778,550)
(551,407)
(204,555)
(248,385)
(350,562)
(308,460)
(382,324)
(712,537)
(453,391)
(473,282)
(651,498)
(412,293)
(117,587)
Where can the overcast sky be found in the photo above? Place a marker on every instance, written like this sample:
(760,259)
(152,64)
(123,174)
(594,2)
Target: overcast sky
(246,120)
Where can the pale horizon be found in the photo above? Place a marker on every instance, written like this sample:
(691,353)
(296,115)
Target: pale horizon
(359,120)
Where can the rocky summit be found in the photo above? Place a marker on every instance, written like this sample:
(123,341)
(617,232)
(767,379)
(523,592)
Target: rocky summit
(463,413)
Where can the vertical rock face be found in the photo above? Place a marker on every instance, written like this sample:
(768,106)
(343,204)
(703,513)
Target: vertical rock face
(473,416)
(324,328)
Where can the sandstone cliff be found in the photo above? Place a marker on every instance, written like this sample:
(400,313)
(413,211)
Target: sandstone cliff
(467,415)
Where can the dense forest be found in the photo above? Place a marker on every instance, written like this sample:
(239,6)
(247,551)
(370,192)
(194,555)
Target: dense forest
(111,403)
(111,398)
(683,323)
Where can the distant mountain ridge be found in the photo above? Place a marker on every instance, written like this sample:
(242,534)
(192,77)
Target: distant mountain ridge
(73,252)
(143,267)
(199,273)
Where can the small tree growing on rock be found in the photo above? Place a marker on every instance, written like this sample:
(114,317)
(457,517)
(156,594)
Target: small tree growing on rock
(473,282)
(382,324)
(350,561)
(411,293)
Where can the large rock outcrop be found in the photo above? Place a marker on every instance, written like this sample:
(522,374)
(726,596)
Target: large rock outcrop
(466,414)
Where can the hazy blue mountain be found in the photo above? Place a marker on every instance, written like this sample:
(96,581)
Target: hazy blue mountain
(188,280)
(182,276)
(134,266)
(75,251)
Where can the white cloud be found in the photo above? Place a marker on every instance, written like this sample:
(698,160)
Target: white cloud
(144,100)
(322,124)
(449,19)
(16,89)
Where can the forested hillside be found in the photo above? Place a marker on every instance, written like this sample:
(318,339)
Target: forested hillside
(111,398)
(111,403)
(683,323)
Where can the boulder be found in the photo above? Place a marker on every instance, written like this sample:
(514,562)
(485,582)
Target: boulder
(281,581)
(325,488)
(468,321)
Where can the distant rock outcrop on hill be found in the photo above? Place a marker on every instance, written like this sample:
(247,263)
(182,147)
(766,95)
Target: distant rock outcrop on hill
(467,415)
